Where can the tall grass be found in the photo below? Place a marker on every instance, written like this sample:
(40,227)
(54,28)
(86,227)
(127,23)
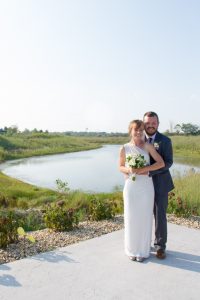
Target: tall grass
(15,193)
(26,145)
(188,146)
(187,189)
(19,146)
(19,194)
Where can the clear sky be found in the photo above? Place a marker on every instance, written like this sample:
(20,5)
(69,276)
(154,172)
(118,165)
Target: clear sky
(98,64)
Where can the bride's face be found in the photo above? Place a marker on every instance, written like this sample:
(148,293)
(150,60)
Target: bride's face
(137,133)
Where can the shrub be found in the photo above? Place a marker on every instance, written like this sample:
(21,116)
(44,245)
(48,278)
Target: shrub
(62,186)
(23,204)
(33,220)
(179,207)
(3,201)
(59,218)
(100,209)
(13,202)
(9,222)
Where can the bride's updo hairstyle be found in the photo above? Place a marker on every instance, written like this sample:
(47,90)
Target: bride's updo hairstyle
(135,123)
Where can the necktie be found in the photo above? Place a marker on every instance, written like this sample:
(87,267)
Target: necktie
(150,140)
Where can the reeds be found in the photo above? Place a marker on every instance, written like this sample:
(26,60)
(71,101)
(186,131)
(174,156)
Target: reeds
(185,199)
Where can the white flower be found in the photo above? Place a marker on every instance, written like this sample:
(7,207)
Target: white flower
(135,161)
(156,146)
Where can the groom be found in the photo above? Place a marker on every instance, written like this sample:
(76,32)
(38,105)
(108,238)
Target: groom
(161,179)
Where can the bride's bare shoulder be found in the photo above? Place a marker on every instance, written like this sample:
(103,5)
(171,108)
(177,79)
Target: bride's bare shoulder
(148,147)
(122,148)
(125,146)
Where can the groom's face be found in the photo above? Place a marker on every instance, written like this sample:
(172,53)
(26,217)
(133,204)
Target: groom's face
(150,125)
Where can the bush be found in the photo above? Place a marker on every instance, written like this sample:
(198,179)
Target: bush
(9,222)
(33,220)
(59,218)
(100,209)
(23,204)
(3,201)
(179,207)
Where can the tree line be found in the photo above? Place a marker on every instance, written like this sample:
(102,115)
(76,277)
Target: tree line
(185,129)
(13,130)
(179,129)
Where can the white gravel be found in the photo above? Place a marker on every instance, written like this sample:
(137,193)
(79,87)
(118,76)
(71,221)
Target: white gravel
(47,240)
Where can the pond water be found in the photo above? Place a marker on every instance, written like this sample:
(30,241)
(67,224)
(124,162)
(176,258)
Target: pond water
(93,170)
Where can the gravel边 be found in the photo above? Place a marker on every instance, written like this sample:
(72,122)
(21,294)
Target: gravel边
(47,240)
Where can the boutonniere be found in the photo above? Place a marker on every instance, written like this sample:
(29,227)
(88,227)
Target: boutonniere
(156,145)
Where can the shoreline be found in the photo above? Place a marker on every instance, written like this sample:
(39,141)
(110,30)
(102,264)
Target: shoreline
(47,240)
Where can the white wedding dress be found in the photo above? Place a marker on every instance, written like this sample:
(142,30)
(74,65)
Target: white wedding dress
(138,210)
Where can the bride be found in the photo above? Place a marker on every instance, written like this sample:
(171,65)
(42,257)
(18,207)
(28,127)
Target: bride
(138,194)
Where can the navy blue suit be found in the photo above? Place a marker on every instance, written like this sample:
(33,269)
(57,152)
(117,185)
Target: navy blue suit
(163,183)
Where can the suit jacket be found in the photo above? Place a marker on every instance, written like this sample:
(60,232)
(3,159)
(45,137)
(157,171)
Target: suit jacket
(162,179)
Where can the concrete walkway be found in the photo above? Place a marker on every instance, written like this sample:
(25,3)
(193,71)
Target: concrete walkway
(98,269)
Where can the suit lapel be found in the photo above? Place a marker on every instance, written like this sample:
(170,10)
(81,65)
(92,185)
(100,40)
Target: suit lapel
(158,137)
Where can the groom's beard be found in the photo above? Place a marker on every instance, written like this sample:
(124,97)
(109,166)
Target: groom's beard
(150,130)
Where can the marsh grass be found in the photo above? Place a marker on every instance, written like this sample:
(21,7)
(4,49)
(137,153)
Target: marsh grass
(27,145)
(20,146)
(32,201)
(186,146)
(187,189)
(15,193)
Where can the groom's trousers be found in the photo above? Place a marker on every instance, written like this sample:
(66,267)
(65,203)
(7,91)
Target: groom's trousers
(160,210)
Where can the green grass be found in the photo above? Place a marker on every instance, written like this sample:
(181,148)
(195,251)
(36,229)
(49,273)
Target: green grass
(23,195)
(20,146)
(187,188)
(15,192)
(20,194)
(186,146)
(26,145)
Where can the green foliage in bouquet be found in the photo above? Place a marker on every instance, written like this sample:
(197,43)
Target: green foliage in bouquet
(135,161)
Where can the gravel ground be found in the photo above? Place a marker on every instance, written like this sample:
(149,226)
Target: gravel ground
(47,240)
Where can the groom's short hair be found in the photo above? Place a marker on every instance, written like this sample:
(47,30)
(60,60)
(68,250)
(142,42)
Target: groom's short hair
(151,114)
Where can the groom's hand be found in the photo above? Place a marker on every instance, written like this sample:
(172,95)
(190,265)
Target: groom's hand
(140,171)
(136,171)
(145,173)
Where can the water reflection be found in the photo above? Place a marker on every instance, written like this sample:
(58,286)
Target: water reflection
(93,170)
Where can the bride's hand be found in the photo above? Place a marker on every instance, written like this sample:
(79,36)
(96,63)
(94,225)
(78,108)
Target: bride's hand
(139,171)
(135,171)
(130,170)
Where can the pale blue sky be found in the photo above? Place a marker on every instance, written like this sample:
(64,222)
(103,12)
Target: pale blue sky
(98,64)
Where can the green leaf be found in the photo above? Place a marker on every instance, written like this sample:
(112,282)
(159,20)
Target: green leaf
(20,231)
(31,238)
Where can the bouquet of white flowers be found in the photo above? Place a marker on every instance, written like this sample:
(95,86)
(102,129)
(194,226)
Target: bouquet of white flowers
(135,161)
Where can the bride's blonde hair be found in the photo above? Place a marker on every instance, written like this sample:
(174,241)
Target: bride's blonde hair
(137,123)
